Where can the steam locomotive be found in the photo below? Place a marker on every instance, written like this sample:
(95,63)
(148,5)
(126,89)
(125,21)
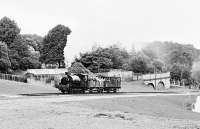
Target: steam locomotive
(85,83)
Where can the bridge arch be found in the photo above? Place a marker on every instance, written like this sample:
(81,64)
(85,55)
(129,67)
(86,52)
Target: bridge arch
(151,85)
(160,85)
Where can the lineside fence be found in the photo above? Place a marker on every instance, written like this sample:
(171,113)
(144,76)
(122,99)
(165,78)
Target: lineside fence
(11,77)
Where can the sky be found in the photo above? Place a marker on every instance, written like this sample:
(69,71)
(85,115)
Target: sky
(105,22)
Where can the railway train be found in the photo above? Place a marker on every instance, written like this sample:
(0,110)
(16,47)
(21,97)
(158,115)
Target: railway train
(85,83)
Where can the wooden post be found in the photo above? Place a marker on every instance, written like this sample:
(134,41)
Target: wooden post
(155,77)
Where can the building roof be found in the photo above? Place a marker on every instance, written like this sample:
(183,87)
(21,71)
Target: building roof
(47,71)
(76,68)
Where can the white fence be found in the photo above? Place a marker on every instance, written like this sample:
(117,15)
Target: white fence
(124,75)
(11,77)
(131,76)
(155,76)
(44,77)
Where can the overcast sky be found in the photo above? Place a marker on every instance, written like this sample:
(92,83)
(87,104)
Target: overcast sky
(106,22)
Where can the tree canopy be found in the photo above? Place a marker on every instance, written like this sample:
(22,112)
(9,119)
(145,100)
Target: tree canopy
(157,56)
(103,59)
(4,59)
(8,30)
(98,60)
(177,58)
(20,54)
(27,51)
(54,42)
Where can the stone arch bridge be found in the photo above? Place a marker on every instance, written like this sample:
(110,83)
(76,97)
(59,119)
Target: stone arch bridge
(158,80)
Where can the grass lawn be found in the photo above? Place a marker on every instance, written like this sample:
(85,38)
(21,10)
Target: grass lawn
(158,112)
(177,107)
(11,87)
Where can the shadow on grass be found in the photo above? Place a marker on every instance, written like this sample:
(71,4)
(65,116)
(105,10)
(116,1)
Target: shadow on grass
(151,92)
(41,94)
(95,93)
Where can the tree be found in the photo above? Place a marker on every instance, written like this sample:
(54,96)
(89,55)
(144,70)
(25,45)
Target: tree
(103,59)
(29,63)
(17,50)
(98,60)
(8,30)
(53,45)
(174,57)
(119,56)
(175,72)
(149,51)
(159,65)
(34,40)
(196,71)
(4,59)
(181,73)
(20,55)
(34,43)
(138,63)
(4,65)
(182,57)
(182,60)
(171,52)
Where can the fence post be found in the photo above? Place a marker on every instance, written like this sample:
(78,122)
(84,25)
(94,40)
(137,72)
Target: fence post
(12,77)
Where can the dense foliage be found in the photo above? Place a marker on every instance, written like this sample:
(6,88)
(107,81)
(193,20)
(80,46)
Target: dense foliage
(20,54)
(178,58)
(8,30)
(155,57)
(53,46)
(98,60)
(34,41)
(4,59)
(29,51)
(103,59)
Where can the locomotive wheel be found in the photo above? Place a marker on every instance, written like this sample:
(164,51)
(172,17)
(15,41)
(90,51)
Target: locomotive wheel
(108,91)
(64,80)
(114,90)
(69,91)
(90,91)
(83,91)
(99,90)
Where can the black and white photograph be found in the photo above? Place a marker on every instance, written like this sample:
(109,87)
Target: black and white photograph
(99,64)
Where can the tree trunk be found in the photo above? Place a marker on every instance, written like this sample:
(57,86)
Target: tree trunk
(58,64)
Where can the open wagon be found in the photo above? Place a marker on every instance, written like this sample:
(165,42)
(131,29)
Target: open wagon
(83,83)
(111,83)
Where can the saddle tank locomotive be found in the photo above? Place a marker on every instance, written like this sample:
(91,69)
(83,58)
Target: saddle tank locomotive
(85,83)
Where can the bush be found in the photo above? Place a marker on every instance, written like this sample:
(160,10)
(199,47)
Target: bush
(4,65)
